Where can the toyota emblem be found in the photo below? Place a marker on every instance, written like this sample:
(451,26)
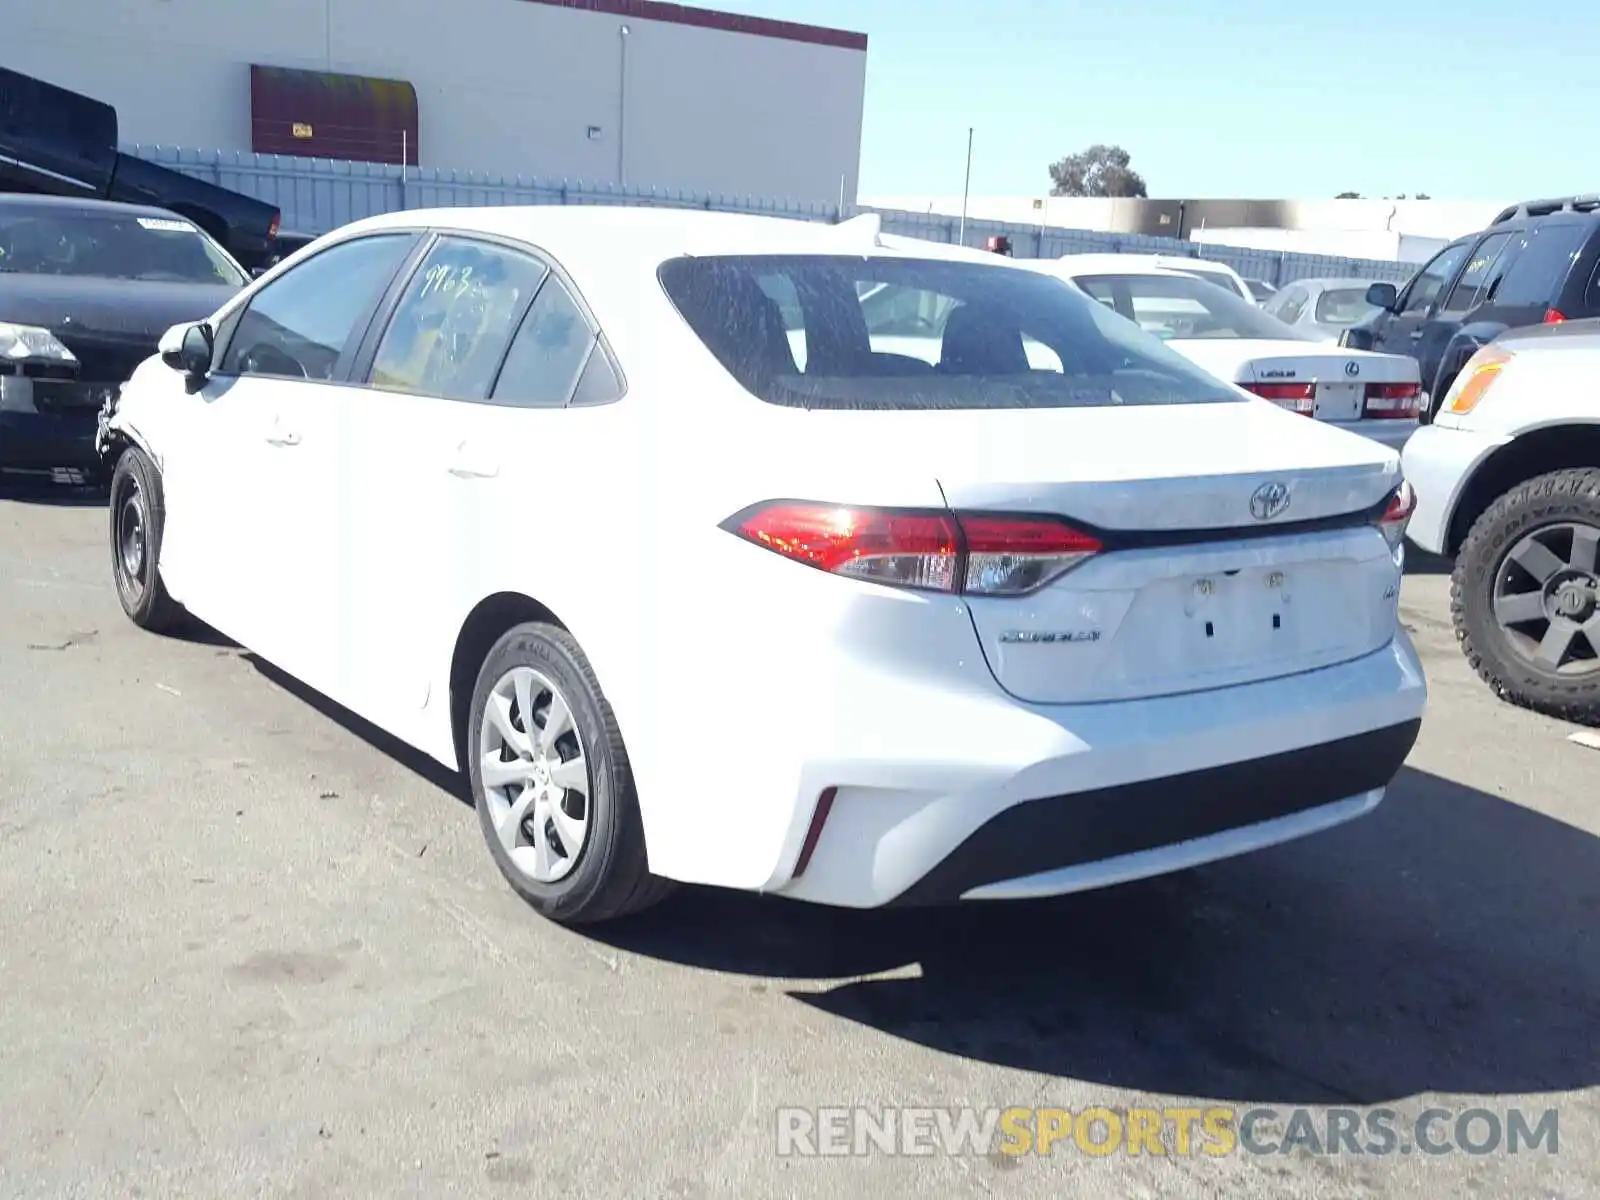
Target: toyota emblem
(1352,368)
(1269,500)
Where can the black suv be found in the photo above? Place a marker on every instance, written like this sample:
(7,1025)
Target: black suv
(1537,262)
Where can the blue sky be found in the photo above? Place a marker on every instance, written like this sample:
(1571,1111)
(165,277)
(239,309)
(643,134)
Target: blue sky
(1240,98)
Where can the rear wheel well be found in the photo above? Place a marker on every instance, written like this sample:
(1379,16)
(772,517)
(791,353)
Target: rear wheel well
(482,629)
(1557,448)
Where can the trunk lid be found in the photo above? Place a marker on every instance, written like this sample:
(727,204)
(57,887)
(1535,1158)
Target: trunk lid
(1340,376)
(1197,588)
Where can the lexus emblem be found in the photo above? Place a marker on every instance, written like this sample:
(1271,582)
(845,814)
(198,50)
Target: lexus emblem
(1269,500)
(1352,368)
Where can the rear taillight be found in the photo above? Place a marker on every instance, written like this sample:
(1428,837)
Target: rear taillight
(1554,316)
(272,229)
(1397,515)
(1296,397)
(1393,400)
(980,554)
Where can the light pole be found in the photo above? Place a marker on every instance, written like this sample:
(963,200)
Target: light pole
(966,190)
(622,107)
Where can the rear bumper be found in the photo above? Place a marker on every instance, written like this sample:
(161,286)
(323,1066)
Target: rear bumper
(39,440)
(1086,795)
(1072,842)
(1439,461)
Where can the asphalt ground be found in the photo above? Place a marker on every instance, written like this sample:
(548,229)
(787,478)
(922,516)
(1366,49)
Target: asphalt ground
(251,947)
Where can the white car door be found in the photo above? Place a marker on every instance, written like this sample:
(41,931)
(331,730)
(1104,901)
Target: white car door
(428,448)
(255,497)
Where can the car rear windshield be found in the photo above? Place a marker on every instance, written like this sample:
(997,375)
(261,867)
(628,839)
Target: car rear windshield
(853,332)
(1176,306)
(1343,306)
(112,246)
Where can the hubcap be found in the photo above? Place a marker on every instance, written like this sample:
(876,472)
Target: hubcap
(131,534)
(1547,598)
(535,775)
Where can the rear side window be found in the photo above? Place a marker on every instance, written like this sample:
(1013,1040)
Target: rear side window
(1478,278)
(1547,252)
(901,333)
(449,332)
(548,354)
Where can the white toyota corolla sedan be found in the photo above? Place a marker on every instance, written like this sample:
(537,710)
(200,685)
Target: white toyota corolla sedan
(1375,395)
(640,519)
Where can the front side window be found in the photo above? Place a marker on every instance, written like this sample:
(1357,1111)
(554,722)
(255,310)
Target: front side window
(549,353)
(1177,306)
(300,325)
(917,334)
(1425,287)
(451,328)
(1478,278)
(1342,306)
(112,245)
(1547,253)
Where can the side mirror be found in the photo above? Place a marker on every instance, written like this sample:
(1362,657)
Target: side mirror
(190,351)
(1383,295)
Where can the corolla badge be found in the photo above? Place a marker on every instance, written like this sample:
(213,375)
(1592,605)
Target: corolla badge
(1269,500)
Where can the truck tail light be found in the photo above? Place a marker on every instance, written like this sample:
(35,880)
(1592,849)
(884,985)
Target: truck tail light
(1393,401)
(1296,397)
(976,554)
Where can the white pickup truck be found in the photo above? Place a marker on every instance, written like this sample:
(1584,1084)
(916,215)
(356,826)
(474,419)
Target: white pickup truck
(1508,484)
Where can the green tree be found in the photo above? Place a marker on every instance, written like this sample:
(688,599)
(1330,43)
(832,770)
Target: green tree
(1098,171)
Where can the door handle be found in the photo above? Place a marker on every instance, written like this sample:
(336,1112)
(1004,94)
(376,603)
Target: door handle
(284,437)
(468,465)
(1416,334)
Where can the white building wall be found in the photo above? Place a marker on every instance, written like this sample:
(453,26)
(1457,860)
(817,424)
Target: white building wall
(503,86)
(1447,219)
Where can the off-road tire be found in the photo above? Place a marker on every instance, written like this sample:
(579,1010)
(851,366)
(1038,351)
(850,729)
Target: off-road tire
(1571,495)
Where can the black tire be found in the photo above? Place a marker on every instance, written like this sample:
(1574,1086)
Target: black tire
(1562,497)
(136,498)
(610,876)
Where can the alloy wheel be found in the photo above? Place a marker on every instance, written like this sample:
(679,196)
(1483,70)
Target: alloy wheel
(1547,598)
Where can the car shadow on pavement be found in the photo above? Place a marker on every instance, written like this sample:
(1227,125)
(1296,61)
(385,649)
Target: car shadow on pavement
(1420,562)
(1443,943)
(414,760)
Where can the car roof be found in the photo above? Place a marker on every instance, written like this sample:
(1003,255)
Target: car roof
(26,201)
(1332,281)
(603,240)
(1126,264)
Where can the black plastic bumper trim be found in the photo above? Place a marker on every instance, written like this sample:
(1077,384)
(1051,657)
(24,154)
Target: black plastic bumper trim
(1086,827)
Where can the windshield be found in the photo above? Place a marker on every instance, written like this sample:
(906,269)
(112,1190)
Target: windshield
(1343,306)
(848,332)
(1176,306)
(112,245)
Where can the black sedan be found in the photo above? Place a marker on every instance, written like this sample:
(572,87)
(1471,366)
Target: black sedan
(87,288)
